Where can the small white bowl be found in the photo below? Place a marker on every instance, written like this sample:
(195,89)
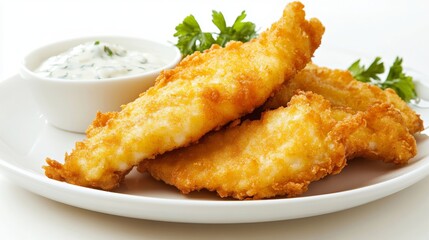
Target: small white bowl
(72,104)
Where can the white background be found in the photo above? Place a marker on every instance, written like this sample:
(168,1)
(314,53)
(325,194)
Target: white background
(362,28)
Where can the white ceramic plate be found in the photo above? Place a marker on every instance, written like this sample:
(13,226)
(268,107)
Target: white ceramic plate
(26,140)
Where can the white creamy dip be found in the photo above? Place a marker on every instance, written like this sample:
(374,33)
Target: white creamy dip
(97,60)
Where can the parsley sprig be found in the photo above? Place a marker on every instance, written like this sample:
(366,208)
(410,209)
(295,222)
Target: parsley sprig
(191,38)
(396,78)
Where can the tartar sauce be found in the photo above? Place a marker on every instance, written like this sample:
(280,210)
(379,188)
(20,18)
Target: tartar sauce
(97,60)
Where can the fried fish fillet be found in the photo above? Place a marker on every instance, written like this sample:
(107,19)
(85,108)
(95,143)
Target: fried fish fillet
(341,89)
(283,152)
(384,136)
(205,91)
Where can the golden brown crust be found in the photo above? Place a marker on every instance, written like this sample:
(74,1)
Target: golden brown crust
(99,122)
(205,91)
(286,150)
(379,140)
(280,154)
(383,137)
(341,89)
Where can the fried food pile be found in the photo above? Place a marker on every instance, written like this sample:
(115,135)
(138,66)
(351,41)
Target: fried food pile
(186,130)
(285,150)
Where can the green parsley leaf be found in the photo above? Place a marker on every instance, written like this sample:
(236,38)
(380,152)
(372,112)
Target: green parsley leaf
(396,79)
(400,82)
(191,38)
(365,75)
(96,42)
(239,31)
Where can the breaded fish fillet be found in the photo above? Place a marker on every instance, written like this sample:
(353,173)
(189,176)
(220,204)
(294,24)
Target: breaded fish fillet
(341,89)
(205,91)
(384,136)
(280,154)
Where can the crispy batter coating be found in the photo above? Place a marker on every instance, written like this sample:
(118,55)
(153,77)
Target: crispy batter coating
(277,155)
(341,89)
(205,91)
(384,137)
(283,152)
